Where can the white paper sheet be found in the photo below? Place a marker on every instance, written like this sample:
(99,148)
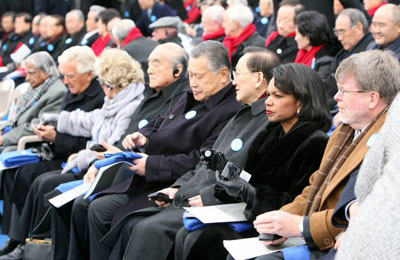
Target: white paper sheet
(66,197)
(241,249)
(219,213)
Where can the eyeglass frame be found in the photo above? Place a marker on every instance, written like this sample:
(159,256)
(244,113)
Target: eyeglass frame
(103,83)
(235,74)
(342,31)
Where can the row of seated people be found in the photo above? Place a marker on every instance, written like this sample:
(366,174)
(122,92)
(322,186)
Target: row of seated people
(301,36)
(66,78)
(298,116)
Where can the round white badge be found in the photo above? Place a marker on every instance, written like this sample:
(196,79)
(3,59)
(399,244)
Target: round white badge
(142,123)
(372,140)
(190,114)
(279,51)
(236,145)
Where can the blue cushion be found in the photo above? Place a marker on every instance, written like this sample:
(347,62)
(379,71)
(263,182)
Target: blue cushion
(19,158)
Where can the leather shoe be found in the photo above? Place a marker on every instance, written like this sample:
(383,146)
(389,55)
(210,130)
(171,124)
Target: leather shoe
(16,254)
(9,246)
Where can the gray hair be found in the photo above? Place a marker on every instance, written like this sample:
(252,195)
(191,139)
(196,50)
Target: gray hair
(373,70)
(178,56)
(122,29)
(215,52)
(216,13)
(96,8)
(240,14)
(355,16)
(77,13)
(44,62)
(83,55)
(237,2)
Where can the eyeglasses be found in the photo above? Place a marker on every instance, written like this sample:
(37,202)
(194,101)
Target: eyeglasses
(237,74)
(341,90)
(103,83)
(341,32)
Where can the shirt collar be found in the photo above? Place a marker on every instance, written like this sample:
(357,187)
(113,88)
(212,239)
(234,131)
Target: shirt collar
(216,98)
(258,107)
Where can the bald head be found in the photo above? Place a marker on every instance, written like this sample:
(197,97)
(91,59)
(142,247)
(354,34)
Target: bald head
(385,26)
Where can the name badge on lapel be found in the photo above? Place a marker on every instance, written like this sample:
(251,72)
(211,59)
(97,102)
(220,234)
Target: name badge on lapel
(142,123)
(189,115)
(236,144)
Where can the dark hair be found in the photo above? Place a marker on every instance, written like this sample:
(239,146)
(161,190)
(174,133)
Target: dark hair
(314,25)
(305,85)
(27,17)
(107,15)
(262,60)
(60,20)
(215,52)
(8,14)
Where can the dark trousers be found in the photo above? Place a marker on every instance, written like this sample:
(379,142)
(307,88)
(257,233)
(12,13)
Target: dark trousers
(94,217)
(154,236)
(36,205)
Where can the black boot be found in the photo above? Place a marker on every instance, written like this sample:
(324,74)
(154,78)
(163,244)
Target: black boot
(16,254)
(9,246)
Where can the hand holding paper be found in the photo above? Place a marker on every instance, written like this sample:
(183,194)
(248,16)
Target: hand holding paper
(278,222)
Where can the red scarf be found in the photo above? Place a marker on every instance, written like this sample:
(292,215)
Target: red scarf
(373,10)
(273,36)
(232,43)
(100,44)
(193,13)
(214,35)
(306,57)
(133,35)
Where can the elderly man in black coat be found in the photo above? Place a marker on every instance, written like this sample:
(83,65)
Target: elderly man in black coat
(171,146)
(84,94)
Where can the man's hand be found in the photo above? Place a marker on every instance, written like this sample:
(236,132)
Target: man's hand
(134,140)
(110,149)
(90,174)
(140,164)
(278,222)
(47,133)
(1,140)
(196,201)
(171,194)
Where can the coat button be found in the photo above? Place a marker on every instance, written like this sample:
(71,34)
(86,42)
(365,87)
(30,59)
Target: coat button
(327,241)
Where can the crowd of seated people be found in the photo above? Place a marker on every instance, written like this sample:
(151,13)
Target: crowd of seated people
(291,93)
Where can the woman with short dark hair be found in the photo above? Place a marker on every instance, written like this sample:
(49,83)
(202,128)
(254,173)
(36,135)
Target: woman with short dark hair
(317,47)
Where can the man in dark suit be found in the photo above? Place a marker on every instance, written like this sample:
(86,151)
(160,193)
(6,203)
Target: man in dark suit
(171,145)
(151,11)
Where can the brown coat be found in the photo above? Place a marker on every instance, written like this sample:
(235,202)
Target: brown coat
(322,230)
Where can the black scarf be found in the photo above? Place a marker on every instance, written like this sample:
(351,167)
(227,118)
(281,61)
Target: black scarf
(276,148)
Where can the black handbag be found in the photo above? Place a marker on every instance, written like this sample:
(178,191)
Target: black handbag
(37,249)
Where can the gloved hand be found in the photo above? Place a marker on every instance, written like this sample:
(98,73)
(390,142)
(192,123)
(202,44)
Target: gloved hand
(214,160)
(49,119)
(235,186)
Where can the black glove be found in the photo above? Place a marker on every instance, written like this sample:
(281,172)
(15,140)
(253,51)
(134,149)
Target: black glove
(214,160)
(234,185)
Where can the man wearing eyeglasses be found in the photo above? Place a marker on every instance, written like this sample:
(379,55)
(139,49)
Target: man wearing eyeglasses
(385,28)
(368,83)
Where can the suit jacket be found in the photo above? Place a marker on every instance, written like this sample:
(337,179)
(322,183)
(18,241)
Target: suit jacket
(254,40)
(159,10)
(394,47)
(348,195)
(49,102)
(285,47)
(322,230)
(12,43)
(67,41)
(140,50)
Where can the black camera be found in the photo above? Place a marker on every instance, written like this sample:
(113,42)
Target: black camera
(214,160)
(268,237)
(230,172)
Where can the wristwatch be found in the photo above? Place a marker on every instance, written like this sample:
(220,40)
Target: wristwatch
(301,227)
